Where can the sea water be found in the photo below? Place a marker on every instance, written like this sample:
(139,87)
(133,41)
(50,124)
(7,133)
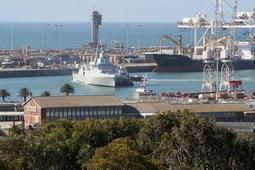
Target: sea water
(158,82)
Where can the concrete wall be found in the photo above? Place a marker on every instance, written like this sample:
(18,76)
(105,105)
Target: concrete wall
(34,73)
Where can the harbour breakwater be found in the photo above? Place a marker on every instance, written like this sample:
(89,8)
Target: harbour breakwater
(18,72)
(10,73)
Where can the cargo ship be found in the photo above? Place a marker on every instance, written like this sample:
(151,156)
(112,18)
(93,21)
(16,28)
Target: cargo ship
(192,57)
(184,63)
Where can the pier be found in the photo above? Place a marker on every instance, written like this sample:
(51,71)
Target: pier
(10,73)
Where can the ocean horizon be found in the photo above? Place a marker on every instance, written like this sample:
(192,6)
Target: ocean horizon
(51,35)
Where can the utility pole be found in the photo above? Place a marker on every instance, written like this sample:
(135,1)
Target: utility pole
(12,37)
(140,33)
(48,36)
(127,37)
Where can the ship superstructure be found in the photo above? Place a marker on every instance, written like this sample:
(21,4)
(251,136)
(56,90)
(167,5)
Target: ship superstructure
(102,72)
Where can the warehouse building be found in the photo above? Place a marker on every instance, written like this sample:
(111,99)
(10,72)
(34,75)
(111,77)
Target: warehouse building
(45,109)
(10,114)
(219,112)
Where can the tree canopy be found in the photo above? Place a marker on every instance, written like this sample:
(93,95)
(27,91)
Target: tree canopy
(181,140)
(4,93)
(67,89)
(46,94)
(24,92)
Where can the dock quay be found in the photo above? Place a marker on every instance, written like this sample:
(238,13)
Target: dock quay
(20,72)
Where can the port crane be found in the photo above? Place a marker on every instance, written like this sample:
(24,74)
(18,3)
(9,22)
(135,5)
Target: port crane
(222,41)
(218,51)
(177,43)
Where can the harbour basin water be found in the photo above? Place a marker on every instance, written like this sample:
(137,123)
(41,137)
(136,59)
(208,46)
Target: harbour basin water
(158,82)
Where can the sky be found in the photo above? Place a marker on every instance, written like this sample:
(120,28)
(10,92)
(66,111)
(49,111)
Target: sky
(113,10)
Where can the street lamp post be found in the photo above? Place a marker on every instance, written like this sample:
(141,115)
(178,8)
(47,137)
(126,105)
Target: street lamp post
(12,35)
(140,33)
(47,36)
(56,36)
(127,37)
(61,37)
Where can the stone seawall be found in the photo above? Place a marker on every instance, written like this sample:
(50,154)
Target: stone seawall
(10,73)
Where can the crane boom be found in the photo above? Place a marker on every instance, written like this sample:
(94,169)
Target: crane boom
(176,43)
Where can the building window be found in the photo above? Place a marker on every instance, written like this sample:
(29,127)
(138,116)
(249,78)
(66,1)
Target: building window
(99,111)
(60,114)
(82,113)
(107,112)
(15,118)
(69,113)
(65,113)
(116,111)
(56,114)
(95,113)
(8,118)
(51,113)
(112,112)
(86,112)
(90,112)
(120,111)
(78,113)
(47,113)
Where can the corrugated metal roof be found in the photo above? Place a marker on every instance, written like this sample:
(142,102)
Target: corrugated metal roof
(199,108)
(77,101)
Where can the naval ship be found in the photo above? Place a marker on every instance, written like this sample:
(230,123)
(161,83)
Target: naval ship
(101,72)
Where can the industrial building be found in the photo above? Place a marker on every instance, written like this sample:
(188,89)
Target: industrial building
(220,112)
(10,114)
(45,109)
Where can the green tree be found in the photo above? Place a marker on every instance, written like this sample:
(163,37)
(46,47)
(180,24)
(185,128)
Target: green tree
(154,127)
(13,152)
(24,92)
(196,143)
(119,154)
(181,140)
(4,93)
(67,89)
(46,94)
(244,154)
